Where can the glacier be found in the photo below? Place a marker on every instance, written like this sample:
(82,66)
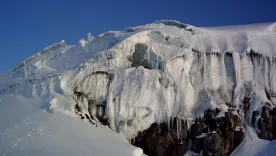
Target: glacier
(140,76)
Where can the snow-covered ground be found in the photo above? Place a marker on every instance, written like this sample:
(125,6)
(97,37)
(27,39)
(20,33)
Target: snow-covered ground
(28,130)
(254,146)
(139,76)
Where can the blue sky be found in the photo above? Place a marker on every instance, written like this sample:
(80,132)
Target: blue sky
(27,26)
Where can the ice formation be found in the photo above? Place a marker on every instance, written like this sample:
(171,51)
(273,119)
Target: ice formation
(148,74)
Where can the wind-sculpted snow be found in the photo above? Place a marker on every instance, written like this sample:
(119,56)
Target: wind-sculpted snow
(149,74)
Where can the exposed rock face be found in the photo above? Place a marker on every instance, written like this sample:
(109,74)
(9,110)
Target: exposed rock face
(162,139)
(264,120)
(216,136)
(266,123)
(208,135)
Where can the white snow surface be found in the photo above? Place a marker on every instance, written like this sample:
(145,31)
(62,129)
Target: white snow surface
(253,146)
(28,130)
(144,74)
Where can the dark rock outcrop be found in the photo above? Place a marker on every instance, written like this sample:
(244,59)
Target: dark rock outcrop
(216,136)
(208,135)
(164,140)
(266,123)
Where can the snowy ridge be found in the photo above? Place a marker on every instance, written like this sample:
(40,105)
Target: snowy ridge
(46,50)
(148,74)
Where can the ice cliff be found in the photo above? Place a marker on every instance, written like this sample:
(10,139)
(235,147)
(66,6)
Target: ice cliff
(166,73)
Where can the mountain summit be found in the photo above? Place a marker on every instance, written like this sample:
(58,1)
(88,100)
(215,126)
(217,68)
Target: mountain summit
(167,88)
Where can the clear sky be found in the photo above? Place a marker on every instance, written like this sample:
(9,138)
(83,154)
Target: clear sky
(27,26)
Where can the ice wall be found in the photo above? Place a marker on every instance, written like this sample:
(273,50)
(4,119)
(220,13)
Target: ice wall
(150,73)
(185,87)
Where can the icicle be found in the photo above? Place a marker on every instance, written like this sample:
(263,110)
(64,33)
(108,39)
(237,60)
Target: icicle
(177,128)
(272,75)
(236,61)
(159,116)
(223,69)
(168,123)
(149,61)
(203,66)
(156,65)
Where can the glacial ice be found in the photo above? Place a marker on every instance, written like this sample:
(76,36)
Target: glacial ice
(150,73)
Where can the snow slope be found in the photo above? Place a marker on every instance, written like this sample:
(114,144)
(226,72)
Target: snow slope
(254,146)
(136,77)
(27,130)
